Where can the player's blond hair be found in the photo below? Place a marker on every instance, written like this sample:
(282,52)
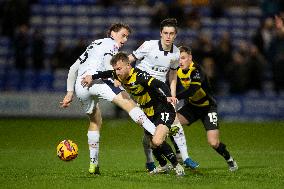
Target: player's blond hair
(119,56)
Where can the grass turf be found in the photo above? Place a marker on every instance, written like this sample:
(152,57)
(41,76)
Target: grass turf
(28,156)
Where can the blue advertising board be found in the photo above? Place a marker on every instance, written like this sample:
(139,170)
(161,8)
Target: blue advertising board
(251,108)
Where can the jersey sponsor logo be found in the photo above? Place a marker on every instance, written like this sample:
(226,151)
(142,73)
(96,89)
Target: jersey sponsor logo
(160,69)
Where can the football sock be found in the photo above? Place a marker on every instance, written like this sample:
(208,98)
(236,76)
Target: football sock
(147,148)
(159,156)
(167,151)
(93,141)
(175,144)
(139,117)
(180,141)
(223,151)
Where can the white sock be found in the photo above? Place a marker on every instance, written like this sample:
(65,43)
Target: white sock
(139,117)
(93,141)
(147,148)
(181,141)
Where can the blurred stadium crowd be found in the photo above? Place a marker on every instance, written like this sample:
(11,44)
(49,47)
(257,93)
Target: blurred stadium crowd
(236,43)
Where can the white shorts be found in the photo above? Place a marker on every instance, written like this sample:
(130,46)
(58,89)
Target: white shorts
(101,89)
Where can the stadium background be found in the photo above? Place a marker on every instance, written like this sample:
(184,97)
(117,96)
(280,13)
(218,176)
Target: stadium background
(235,41)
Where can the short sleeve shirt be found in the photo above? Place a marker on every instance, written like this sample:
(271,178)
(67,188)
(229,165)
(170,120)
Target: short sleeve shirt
(154,60)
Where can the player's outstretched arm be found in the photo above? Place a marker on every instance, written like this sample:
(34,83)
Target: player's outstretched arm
(72,74)
(88,79)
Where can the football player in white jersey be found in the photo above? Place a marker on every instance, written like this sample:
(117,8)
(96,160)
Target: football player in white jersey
(161,58)
(97,58)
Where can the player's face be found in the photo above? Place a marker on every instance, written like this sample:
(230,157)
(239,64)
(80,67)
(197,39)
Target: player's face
(185,60)
(122,69)
(121,36)
(168,35)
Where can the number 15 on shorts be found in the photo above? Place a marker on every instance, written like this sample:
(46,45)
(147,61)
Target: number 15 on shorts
(213,117)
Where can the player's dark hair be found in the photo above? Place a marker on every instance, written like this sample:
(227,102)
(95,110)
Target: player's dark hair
(117,27)
(169,22)
(185,49)
(119,56)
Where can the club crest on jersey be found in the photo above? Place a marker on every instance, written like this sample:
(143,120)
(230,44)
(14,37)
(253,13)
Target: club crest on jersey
(132,84)
(196,76)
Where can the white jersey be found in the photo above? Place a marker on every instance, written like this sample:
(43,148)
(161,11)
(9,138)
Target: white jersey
(153,59)
(96,58)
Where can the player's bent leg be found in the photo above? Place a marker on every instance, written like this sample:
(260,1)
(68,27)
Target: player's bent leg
(91,108)
(213,140)
(182,119)
(160,135)
(93,139)
(161,145)
(123,100)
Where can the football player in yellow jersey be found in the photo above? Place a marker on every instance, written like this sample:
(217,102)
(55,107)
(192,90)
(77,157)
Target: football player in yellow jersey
(193,87)
(153,97)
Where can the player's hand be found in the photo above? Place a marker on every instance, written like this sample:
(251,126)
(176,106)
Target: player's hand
(67,100)
(87,81)
(172,100)
(116,83)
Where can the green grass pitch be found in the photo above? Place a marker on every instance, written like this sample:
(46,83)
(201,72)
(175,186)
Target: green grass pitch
(28,156)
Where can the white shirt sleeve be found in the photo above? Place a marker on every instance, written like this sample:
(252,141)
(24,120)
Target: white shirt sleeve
(142,51)
(72,75)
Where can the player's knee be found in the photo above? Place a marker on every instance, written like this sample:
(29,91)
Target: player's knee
(214,143)
(157,141)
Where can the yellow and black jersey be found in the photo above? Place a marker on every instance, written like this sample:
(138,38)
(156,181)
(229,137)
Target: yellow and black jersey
(147,91)
(193,85)
(144,89)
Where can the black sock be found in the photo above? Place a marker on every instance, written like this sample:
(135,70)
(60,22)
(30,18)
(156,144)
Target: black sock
(223,151)
(175,144)
(167,151)
(159,156)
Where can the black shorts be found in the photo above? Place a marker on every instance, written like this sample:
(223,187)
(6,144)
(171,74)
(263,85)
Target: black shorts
(208,115)
(164,113)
